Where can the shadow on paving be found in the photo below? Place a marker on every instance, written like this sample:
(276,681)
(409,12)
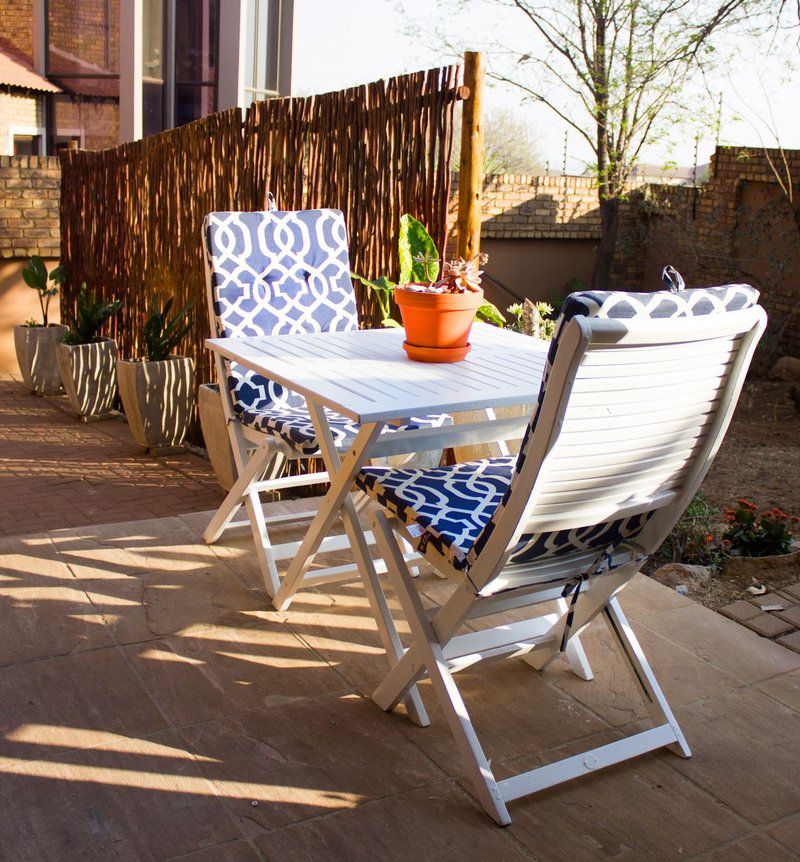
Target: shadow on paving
(154,706)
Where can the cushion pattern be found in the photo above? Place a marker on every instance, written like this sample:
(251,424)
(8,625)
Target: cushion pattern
(454,504)
(295,426)
(275,273)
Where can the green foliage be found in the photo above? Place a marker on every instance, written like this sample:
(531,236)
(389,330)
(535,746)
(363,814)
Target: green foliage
(383,290)
(91,313)
(751,533)
(694,539)
(532,318)
(162,334)
(46,285)
(416,252)
(490,313)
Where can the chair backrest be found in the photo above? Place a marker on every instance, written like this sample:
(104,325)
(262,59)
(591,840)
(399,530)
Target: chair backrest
(637,395)
(272,273)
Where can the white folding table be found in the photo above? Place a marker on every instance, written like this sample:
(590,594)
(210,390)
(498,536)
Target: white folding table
(367,376)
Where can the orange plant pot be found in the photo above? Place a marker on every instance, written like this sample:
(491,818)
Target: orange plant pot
(437,321)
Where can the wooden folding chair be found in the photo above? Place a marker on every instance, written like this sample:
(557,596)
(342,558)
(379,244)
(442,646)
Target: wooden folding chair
(272,273)
(637,397)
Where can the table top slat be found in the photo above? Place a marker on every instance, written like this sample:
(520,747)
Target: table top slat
(366,374)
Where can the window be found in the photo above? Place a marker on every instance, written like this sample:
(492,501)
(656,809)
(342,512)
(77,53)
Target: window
(262,58)
(27,145)
(82,57)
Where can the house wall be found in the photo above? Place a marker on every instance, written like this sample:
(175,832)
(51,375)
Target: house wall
(18,110)
(29,225)
(15,26)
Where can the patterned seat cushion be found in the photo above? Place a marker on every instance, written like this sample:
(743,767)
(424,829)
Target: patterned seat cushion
(275,273)
(459,506)
(454,504)
(295,426)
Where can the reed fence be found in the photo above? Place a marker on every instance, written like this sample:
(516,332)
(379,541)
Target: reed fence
(131,215)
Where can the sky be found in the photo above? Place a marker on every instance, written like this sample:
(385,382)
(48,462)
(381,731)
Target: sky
(339,43)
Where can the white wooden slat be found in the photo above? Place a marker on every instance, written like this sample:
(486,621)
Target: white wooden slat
(628,413)
(587,396)
(581,764)
(570,470)
(612,354)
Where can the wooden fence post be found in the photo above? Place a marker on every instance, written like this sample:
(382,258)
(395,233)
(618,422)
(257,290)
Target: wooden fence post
(470,171)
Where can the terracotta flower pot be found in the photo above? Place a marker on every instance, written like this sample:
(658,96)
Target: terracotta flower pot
(158,398)
(36,356)
(89,374)
(437,324)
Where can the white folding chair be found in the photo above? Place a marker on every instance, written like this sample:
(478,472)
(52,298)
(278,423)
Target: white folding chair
(274,273)
(638,394)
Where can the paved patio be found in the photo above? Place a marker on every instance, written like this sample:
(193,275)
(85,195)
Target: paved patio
(58,472)
(154,709)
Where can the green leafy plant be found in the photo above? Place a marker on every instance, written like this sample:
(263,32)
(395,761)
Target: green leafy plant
(162,334)
(532,318)
(694,539)
(91,313)
(45,284)
(420,263)
(754,533)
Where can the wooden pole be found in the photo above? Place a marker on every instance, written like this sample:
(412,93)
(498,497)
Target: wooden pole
(470,171)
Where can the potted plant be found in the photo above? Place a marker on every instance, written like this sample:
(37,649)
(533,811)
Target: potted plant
(157,391)
(35,343)
(437,308)
(87,362)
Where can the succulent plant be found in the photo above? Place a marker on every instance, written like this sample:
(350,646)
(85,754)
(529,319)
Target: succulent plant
(462,276)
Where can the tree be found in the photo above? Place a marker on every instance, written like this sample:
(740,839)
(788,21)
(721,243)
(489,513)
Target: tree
(612,70)
(510,144)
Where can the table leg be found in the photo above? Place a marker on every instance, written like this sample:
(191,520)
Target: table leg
(360,547)
(340,486)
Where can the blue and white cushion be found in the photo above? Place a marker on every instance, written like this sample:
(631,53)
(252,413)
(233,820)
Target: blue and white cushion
(458,507)
(276,273)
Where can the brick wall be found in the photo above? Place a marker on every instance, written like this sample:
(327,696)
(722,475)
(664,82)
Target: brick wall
(15,26)
(18,110)
(29,201)
(523,207)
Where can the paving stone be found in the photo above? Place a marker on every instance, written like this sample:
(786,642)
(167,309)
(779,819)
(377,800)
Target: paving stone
(70,473)
(614,694)
(738,753)
(768,625)
(306,759)
(791,615)
(233,851)
(770,600)
(785,688)
(788,833)
(787,598)
(137,799)
(740,611)
(792,590)
(433,823)
(791,641)
(754,848)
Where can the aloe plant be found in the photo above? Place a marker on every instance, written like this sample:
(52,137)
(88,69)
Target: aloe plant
(45,284)
(163,334)
(91,313)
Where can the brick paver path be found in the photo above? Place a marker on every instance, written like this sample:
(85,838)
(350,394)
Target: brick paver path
(57,472)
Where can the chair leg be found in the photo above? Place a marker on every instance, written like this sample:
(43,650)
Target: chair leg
(434,662)
(255,468)
(637,662)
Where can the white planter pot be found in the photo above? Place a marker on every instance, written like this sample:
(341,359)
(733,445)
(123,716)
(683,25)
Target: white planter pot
(89,375)
(36,357)
(215,434)
(158,398)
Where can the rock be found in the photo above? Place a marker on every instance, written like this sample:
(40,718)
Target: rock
(786,368)
(779,568)
(682,575)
